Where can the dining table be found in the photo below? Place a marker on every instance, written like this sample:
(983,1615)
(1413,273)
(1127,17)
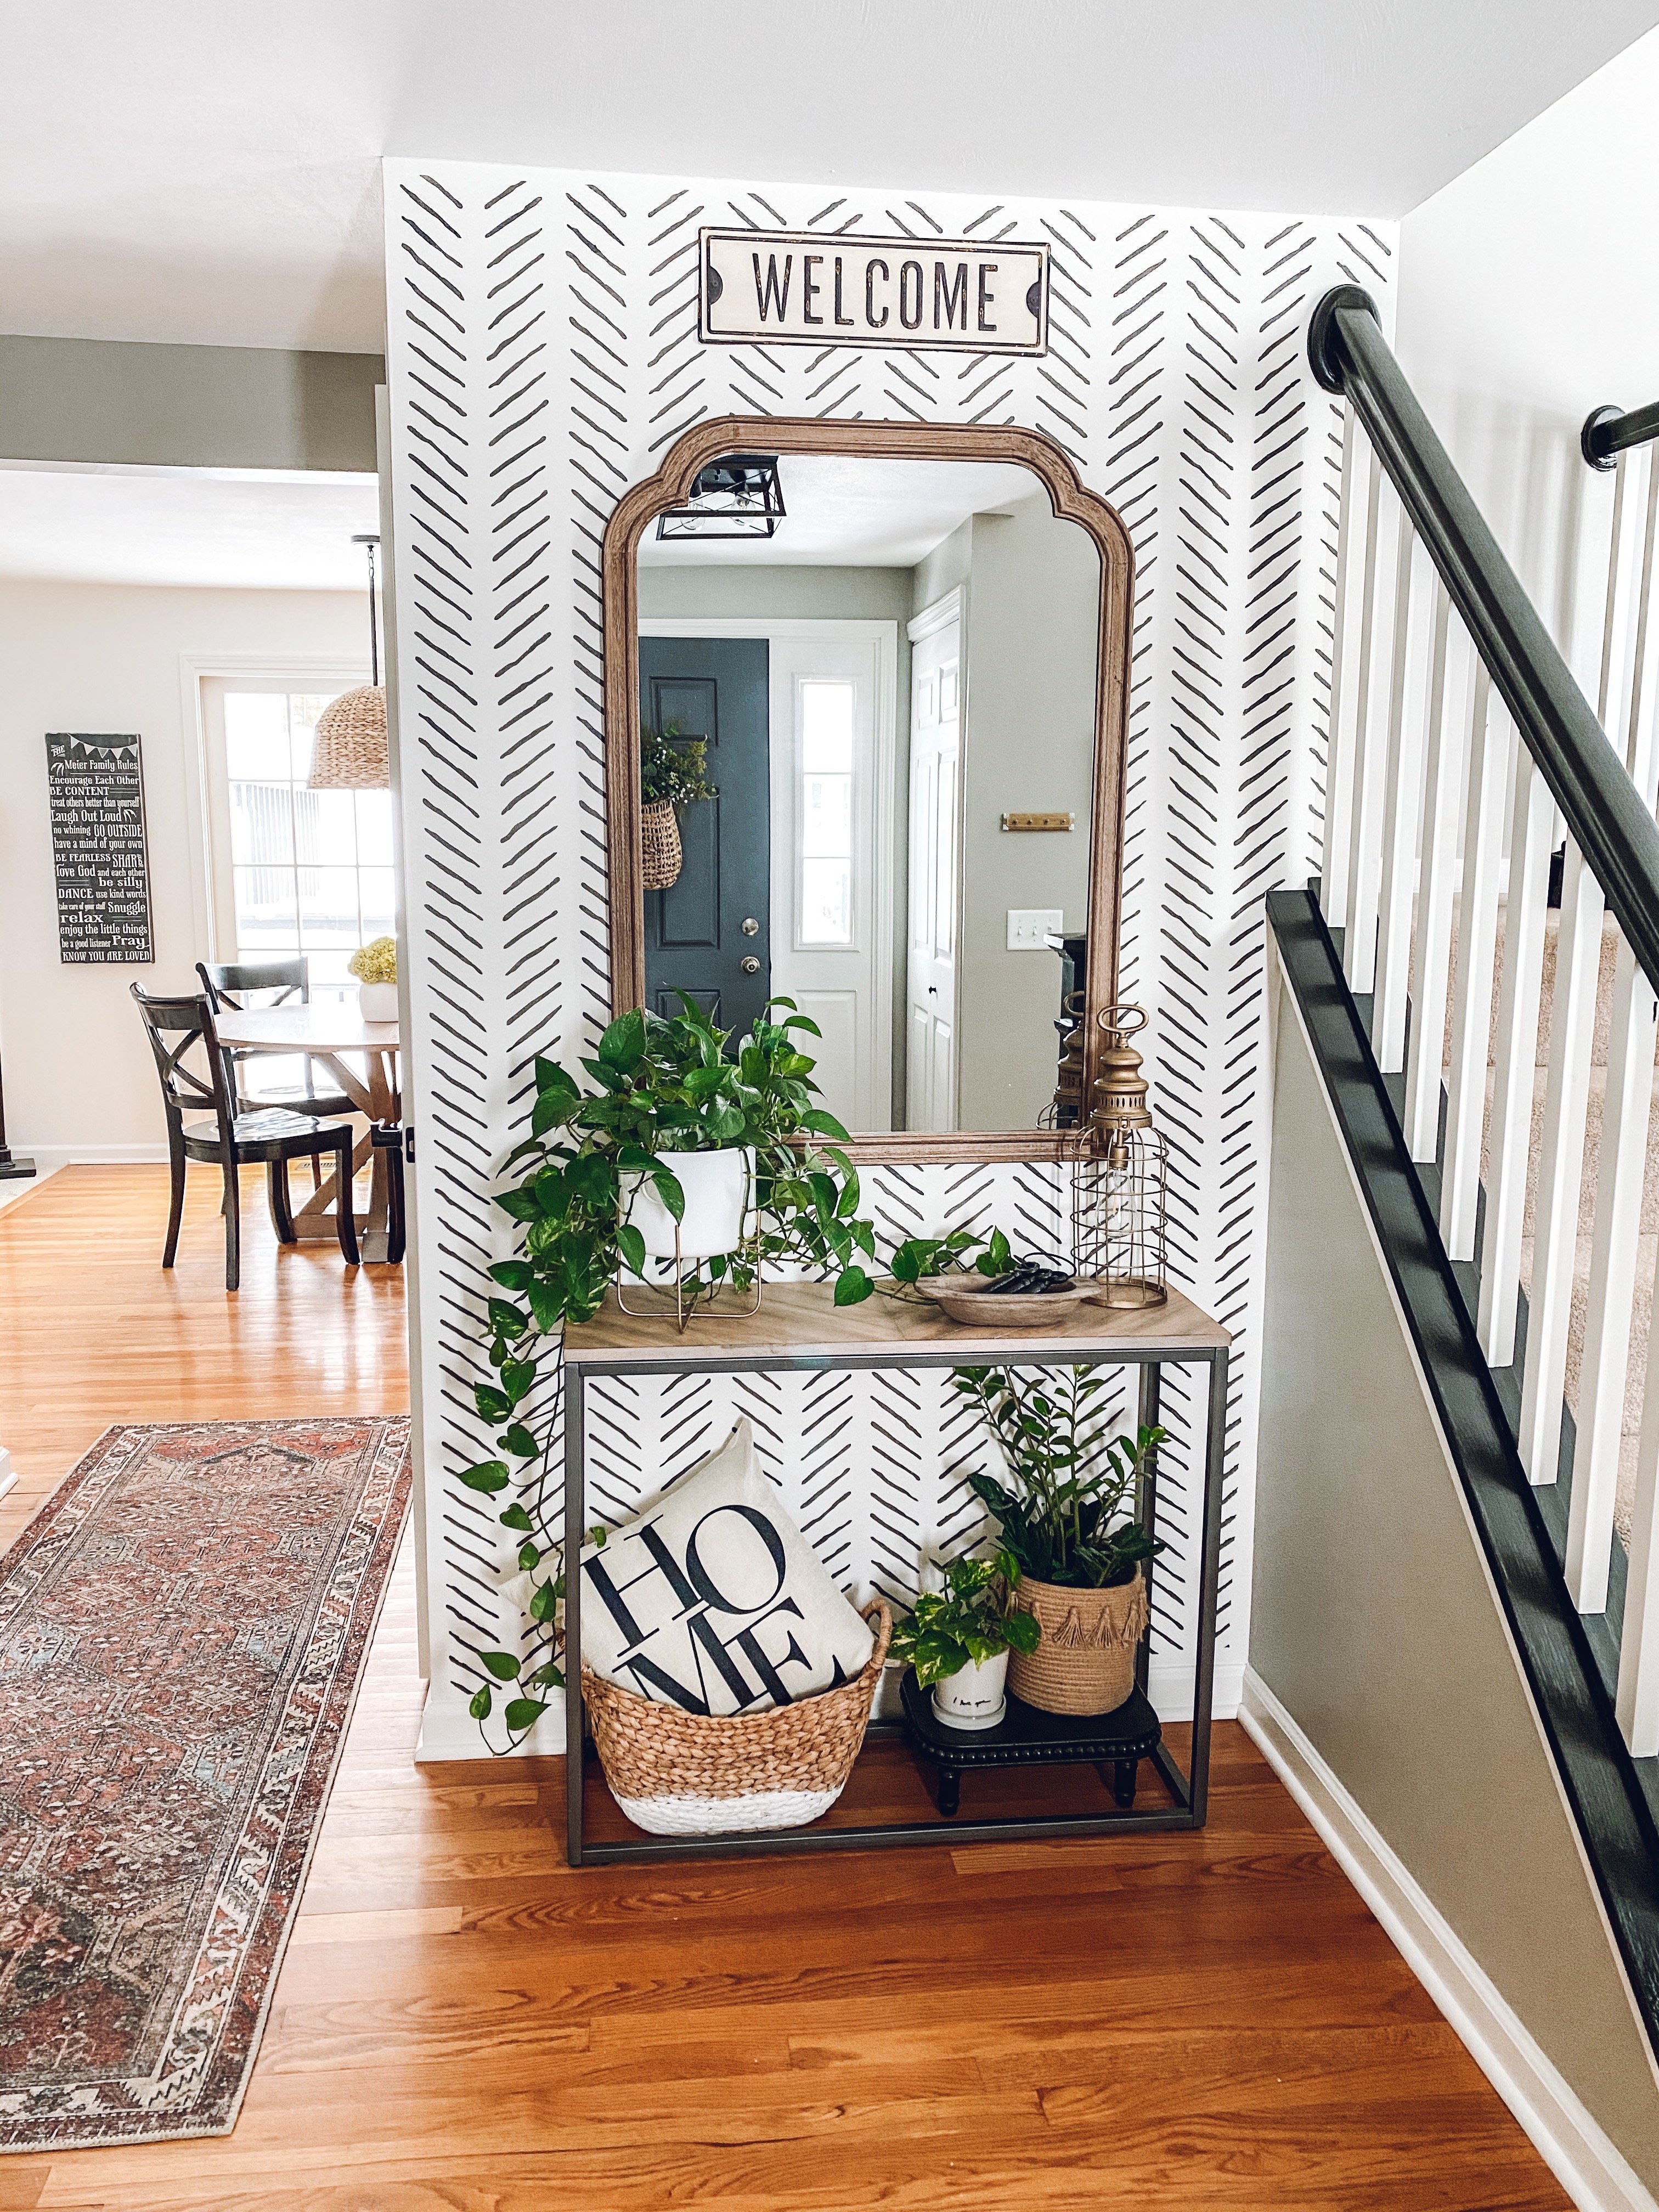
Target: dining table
(362,1059)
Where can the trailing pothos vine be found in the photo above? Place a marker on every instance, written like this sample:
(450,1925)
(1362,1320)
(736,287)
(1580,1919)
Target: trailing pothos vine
(659,1087)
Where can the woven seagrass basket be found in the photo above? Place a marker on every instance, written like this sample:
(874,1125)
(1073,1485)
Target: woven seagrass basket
(1086,1661)
(661,856)
(675,1773)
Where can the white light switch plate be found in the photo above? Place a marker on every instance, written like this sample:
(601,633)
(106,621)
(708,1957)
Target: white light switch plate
(1029,927)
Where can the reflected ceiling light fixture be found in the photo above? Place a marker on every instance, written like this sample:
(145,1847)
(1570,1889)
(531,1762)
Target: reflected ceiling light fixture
(350,753)
(736,496)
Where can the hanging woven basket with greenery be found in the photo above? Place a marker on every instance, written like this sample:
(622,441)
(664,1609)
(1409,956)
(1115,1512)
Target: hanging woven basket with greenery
(673,774)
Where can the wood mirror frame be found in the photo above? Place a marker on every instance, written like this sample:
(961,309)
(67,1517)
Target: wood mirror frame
(1072,502)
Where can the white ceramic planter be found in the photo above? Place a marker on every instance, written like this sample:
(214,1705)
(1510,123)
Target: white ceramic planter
(974,1697)
(719,1190)
(378,1002)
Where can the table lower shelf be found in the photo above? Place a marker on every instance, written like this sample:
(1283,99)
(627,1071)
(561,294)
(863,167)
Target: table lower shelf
(891,1800)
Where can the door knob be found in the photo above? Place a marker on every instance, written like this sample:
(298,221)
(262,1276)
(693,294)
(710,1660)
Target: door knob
(750,926)
(751,966)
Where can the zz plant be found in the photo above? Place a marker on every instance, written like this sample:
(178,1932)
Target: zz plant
(1072,1517)
(658,1088)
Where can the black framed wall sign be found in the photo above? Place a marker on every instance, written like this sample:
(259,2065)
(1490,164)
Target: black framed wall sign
(95,790)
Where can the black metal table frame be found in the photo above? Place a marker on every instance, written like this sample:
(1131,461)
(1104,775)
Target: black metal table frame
(1190,1791)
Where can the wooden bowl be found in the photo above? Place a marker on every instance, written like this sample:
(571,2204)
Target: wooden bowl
(960,1298)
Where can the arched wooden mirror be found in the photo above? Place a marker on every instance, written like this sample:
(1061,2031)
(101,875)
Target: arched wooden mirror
(905,653)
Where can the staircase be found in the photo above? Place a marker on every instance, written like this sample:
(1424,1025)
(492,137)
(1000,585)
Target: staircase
(1487,1058)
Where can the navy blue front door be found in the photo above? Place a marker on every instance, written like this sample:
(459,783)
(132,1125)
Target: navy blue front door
(701,932)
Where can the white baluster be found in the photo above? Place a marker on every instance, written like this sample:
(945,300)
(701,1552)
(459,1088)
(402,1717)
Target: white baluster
(1623,1162)
(1531,829)
(1638,1702)
(1402,814)
(1561,1172)
(1628,670)
(1359,471)
(1383,522)
(1432,954)
(1638,1649)
(1491,735)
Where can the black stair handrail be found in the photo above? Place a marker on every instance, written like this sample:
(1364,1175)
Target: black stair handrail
(1610,431)
(1603,810)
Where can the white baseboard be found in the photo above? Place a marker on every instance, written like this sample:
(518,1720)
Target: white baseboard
(1578,2151)
(50,1157)
(8,1472)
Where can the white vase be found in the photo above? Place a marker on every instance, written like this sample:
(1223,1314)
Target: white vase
(378,1002)
(974,1696)
(719,1190)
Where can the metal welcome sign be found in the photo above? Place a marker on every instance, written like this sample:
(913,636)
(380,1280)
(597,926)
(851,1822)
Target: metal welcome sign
(799,288)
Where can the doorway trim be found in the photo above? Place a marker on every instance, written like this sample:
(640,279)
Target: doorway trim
(883,636)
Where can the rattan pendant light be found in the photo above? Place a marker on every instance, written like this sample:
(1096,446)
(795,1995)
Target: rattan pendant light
(350,753)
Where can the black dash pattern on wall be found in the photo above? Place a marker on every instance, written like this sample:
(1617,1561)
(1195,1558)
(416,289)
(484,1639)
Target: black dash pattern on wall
(545,355)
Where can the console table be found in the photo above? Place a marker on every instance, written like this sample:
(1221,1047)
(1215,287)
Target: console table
(798,1327)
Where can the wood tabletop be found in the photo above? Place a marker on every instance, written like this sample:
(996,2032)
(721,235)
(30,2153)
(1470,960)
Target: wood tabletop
(317,1028)
(800,1321)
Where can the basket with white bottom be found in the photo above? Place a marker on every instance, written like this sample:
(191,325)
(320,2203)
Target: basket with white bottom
(675,1773)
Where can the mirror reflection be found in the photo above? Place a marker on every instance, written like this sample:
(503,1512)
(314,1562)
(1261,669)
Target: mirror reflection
(889,668)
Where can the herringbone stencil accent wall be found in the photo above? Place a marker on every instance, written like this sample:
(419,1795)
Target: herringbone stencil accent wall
(544,354)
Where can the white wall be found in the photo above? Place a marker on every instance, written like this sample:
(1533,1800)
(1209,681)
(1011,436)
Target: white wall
(79,1079)
(1527,298)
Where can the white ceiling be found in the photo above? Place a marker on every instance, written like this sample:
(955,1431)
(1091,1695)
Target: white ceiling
(841,512)
(231,528)
(202,173)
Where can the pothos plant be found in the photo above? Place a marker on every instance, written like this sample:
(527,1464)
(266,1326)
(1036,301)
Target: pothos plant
(658,1088)
(967,1622)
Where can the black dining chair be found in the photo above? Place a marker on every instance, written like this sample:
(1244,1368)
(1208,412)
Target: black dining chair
(221,1133)
(242,985)
(387,1136)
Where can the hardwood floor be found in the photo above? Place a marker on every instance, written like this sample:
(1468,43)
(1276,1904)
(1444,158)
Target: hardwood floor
(461,2022)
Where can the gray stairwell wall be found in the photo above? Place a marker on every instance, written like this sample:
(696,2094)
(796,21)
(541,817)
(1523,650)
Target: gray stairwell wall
(1373,1622)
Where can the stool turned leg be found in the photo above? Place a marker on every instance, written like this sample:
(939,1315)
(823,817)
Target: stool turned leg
(950,1791)
(1123,1782)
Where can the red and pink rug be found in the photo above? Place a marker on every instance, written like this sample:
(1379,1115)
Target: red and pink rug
(181,1633)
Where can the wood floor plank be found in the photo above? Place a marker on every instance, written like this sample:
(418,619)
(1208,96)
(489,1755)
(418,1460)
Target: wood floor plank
(1211,2023)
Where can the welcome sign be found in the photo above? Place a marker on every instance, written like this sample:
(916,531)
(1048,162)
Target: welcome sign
(799,288)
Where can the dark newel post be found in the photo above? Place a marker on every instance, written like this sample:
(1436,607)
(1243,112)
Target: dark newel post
(9,1168)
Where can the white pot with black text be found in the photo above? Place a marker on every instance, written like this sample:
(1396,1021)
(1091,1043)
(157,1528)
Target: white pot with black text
(378,1002)
(719,1215)
(975,1696)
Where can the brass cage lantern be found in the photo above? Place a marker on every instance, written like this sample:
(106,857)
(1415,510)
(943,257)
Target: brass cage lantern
(1120,1195)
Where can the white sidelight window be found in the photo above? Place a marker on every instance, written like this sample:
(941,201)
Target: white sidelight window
(826,893)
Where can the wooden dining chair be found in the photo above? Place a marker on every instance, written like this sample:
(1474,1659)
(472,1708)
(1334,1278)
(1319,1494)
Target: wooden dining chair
(242,985)
(387,1136)
(220,1132)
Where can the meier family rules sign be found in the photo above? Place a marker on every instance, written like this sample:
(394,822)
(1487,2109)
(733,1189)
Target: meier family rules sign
(95,789)
(799,287)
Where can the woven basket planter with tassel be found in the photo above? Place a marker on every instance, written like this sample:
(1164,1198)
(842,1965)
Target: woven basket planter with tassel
(1086,1661)
(661,856)
(675,1773)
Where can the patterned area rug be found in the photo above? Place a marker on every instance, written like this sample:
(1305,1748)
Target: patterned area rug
(181,1633)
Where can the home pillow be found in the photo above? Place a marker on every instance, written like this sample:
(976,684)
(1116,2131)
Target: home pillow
(713,1600)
